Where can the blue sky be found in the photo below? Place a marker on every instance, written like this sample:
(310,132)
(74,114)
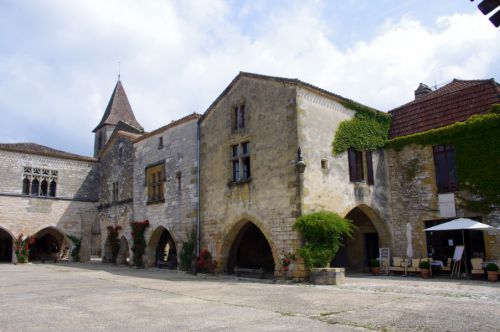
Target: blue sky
(59,59)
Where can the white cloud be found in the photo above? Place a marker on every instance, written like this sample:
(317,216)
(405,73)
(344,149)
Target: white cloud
(57,74)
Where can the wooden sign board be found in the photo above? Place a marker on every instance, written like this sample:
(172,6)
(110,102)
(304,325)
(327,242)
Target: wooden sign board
(459,251)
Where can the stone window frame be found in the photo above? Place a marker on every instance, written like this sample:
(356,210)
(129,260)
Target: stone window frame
(154,179)
(239,115)
(444,155)
(240,161)
(39,182)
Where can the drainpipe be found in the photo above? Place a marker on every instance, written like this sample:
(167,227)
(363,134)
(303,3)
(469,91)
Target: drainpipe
(198,235)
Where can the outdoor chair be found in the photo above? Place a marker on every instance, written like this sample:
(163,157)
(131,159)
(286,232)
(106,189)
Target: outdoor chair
(447,267)
(398,265)
(477,267)
(415,266)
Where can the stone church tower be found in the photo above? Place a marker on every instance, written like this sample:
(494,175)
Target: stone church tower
(119,115)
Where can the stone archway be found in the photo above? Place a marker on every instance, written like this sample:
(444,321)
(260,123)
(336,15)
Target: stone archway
(6,245)
(161,250)
(250,248)
(369,235)
(50,244)
(123,256)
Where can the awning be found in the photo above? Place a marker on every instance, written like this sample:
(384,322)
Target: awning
(459,224)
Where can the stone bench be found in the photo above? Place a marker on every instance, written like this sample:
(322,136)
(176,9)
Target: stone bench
(239,270)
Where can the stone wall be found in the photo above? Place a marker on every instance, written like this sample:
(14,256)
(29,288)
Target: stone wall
(177,214)
(69,212)
(270,199)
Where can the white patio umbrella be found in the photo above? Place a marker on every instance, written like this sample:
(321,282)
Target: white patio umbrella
(460,224)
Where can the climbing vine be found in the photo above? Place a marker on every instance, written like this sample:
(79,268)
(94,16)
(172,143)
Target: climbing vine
(187,251)
(477,157)
(139,242)
(367,130)
(75,252)
(113,241)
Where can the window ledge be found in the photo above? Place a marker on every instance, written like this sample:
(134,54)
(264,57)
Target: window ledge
(156,202)
(238,183)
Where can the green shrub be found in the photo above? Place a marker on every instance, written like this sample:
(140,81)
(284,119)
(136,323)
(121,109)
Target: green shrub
(425,265)
(492,267)
(187,251)
(374,263)
(322,232)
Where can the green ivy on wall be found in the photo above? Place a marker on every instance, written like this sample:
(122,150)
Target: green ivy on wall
(477,156)
(367,130)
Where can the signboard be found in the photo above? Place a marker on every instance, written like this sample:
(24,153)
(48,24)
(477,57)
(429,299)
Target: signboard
(459,251)
(385,258)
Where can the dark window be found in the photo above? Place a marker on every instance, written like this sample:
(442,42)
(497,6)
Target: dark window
(52,188)
(238,117)
(324,164)
(355,165)
(240,161)
(178,175)
(444,161)
(160,142)
(99,141)
(155,176)
(35,187)
(369,168)
(115,191)
(26,186)
(44,188)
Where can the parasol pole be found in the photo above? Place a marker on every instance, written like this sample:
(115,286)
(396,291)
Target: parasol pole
(465,255)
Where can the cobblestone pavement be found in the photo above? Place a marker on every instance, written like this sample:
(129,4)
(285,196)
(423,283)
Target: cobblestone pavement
(98,297)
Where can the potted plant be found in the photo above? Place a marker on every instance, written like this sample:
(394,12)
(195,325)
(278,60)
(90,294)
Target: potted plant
(425,268)
(375,266)
(322,233)
(492,270)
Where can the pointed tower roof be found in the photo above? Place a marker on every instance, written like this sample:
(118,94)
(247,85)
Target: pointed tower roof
(119,109)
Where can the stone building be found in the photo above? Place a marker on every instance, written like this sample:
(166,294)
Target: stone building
(423,183)
(49,194)
(253,188)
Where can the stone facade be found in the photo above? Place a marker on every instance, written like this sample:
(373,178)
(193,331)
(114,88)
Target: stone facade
(270,199)
(69,212)
(116,173)
(177,212)
(415,200)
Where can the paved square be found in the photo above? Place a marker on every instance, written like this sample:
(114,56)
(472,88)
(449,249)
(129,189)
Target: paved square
(95,297)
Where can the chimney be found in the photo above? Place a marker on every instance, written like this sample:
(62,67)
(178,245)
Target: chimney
(422,90)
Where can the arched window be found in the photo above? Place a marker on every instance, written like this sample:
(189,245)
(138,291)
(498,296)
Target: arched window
(35,187)
(43,188)
(26,186)
(52,189)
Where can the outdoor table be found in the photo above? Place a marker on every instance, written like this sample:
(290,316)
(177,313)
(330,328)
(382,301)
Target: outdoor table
(436,266)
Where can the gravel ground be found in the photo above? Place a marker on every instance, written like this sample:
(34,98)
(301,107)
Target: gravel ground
(78,297)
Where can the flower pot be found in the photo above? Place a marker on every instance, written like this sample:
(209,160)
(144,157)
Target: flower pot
(492,276)
(375,270)
(327,276)
(425,273)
